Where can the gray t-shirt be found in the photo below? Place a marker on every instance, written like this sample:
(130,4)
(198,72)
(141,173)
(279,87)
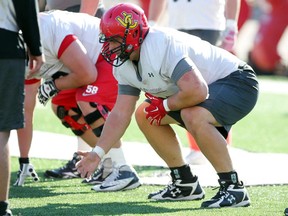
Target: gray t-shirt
(166,55)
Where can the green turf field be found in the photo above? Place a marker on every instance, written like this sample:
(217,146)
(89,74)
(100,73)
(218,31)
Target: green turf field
(70,197)
(264,130)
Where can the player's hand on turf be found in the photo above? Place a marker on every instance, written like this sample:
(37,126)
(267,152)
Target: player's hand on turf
(46,91)
(155,111)
(230,35)
(88,164)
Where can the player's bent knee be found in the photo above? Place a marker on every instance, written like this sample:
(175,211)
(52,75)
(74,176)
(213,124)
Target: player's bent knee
(188,116)
(72,121)
(140,115)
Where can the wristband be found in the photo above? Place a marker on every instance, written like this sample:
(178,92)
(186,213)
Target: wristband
(152,23)
(232,24)
(165,105)
(99,151)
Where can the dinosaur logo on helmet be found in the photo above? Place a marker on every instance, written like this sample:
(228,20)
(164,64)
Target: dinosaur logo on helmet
(127,20)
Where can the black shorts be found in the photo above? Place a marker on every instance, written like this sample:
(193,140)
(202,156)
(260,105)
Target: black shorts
(12,75)
(212,36)
(76,8)
(230,99)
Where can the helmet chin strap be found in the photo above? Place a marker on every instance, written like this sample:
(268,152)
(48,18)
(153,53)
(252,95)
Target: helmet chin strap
(140,34)
(126,55)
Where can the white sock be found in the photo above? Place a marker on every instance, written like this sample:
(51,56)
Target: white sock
(117,156)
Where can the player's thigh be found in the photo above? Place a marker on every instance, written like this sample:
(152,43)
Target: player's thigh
(232,98)
(64,98)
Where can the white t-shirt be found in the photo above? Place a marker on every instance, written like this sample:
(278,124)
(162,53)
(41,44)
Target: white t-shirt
(162,50)
(196,14)
(55,26)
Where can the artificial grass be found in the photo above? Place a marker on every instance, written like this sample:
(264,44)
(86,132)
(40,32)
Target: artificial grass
(263,130)
(71,197)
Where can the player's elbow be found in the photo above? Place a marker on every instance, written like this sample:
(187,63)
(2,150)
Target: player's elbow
(204,93)
(91,78)
(200,94)
(88,78)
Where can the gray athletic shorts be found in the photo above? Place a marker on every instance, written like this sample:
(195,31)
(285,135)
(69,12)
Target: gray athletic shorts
(12,75)
(230,99)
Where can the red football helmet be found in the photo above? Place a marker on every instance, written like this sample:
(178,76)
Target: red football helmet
(126,24)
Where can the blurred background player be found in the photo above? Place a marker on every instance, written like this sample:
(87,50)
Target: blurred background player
(91,7)
(15,16)
(264,55)
(215,22)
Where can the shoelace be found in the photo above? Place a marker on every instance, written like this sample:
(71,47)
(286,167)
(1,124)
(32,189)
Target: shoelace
(98,171)
(114,175)
(222,191)
(70,164)
(170,187)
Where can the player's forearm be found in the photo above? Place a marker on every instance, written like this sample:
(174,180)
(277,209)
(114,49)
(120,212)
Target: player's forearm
(114,128)
(183,100)
(89,7)
(73,81)
(156,8)
(232,9)
(190,92)
(26,16)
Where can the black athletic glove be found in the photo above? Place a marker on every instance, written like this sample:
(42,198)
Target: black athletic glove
(46,91)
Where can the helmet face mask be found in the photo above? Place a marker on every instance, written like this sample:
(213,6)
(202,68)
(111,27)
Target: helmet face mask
(124,24)
(117,55)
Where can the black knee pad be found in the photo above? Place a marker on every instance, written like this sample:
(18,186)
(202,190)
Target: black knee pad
(100,112)
(78,132)
(92,117)
(71,121)
(97,131)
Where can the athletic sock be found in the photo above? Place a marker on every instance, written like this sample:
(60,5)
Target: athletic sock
(23,161)
(182,173)
(117,156)
(229,177)
(3,207)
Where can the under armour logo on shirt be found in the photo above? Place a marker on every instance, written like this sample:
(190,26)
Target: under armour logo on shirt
(150,74)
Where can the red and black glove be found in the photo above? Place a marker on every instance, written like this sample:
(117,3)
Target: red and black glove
(156,111)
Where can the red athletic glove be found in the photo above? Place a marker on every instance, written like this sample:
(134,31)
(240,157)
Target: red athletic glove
(156,111)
